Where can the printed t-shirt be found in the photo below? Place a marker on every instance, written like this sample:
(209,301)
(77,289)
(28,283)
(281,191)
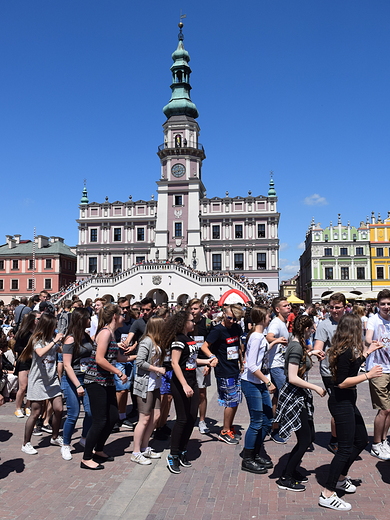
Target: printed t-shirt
(225,344)
(189,352)
(200,333)
(381,328)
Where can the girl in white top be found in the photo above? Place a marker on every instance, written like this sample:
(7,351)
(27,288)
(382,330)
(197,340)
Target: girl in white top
(257,387)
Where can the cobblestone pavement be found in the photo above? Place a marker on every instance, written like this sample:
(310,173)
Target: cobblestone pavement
(44,486)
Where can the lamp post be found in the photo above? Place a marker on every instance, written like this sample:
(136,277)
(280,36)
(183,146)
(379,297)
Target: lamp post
(194,259)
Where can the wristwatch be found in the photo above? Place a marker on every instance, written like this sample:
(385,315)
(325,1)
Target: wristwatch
(269,383)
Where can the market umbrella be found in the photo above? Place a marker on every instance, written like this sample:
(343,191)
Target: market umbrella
(294,299)
(369,295)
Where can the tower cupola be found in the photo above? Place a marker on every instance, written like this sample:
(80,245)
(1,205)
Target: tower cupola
(180,103)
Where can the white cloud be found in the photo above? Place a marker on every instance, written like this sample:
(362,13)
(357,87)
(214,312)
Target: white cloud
(283,246)
(301,245)
(315,200)
(288,269)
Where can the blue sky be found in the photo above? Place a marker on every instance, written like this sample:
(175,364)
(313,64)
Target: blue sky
(300,87)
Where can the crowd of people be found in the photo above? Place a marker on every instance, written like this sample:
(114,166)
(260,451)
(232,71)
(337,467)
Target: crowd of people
(101,354)
(258,290)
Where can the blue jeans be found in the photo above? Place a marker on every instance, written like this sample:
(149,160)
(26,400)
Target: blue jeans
(73,402)
(259,405)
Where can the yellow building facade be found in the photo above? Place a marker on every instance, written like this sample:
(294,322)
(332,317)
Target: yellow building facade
(380,252)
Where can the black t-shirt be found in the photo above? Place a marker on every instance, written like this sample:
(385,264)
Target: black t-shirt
(346,367)
(200,333)
(21,343)
(125,329)
(225,344)
(81,360)
(138,327)
(189,352)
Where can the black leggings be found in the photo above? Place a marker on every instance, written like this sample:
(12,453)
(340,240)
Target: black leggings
(104,410)
(186,413)
(305,436)
(351,435)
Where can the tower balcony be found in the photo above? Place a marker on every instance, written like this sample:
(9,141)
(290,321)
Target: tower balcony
(167,149)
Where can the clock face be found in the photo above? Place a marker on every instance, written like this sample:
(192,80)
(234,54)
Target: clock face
(178,170)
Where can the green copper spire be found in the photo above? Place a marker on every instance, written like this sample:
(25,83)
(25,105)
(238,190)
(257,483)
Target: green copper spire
(84,198)
(271,191)
(180,103)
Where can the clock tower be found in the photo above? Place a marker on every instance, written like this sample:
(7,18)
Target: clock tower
(180,188)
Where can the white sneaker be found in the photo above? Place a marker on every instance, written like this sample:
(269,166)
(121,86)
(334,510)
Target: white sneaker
(346,485)
(65,453)
(203,427)
(59,441)
(19,413)
(28,448)
(386,446)
(378,452)
(140,459)
(334,502)
(149,453)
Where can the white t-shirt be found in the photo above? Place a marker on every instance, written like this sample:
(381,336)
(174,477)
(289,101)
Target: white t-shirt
(278,328)
(381,328)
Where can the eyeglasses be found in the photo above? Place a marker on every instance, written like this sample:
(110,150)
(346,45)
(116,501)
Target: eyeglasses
(230,318)
(125,308)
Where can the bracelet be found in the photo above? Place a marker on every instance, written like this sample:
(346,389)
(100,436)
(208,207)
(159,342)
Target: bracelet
(80,386)
(212,357)
(365,373)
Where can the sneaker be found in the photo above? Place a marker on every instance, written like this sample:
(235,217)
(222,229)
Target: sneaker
(117,427)
(378,452)
(277,438)
(386,446)
(37,430)
(228,437)
(47,428)
(237,434)
(28,448)
(59,441)
(183,460)
(346,485)
(173,463)
(203,427)
(149,453)
(19,413)
(333,447)
(27,411)
(299,477)
(334,502)
(290,484)
(126,423)
(65,453)
(140,459)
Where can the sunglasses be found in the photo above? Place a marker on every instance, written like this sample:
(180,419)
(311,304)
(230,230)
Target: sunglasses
(230,318)
(126,308)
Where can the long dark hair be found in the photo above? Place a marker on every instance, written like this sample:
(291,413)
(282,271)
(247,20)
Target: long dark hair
(28,323)
(301,323)
(172,327)
(78,323)
(348,335)
(44,331)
